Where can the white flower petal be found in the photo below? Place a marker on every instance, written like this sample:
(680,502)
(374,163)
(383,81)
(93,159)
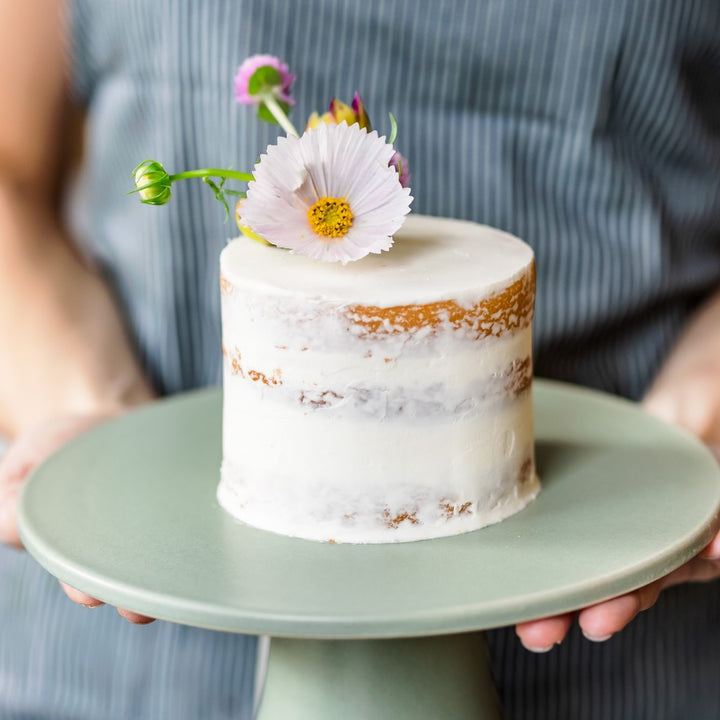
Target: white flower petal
(334,161)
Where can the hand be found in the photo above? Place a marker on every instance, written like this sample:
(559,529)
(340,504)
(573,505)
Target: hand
(23,456)
(599,622)
(686,392)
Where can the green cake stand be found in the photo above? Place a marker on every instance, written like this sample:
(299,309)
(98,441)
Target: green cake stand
(127,513)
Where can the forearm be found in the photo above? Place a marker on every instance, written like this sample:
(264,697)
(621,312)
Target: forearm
(63,347)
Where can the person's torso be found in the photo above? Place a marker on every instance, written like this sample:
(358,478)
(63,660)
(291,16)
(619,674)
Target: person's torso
(588,129)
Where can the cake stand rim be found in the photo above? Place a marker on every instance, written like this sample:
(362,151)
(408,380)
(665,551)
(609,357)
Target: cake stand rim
(443,621)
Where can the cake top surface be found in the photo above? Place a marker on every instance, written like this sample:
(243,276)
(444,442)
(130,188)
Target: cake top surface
(432,259)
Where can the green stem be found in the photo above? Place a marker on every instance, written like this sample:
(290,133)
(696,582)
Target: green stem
(212,172)
(277,112)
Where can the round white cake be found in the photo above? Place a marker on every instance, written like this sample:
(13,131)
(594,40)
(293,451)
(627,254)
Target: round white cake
(381,401)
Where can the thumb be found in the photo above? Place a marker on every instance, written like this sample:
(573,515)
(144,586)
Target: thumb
(24,455)
(13,470)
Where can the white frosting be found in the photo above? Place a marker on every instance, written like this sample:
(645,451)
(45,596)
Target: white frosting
(432,259)
(332,432)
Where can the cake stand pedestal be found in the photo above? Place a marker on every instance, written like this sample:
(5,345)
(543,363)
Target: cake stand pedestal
(127,513)
(406,679)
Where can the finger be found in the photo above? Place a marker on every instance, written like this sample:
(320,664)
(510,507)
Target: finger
(90,602)
(660,406)
(80,597)
(22,457)
(542,635)
(599,622)
(135,618)
(8,517)
(712,550)
(697,570)
(14,468)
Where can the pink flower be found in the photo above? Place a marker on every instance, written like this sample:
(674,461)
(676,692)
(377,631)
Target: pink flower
(250,67)
(400,164)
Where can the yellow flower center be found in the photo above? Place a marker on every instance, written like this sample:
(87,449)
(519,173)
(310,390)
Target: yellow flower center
(330,217)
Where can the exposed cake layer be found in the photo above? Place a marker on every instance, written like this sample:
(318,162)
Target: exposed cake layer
(387,331)
(383,401)
(413,386)
(384,482)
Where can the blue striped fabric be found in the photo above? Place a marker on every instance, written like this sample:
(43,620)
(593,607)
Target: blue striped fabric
(591,129)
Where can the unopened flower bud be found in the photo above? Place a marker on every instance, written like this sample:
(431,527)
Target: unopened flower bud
(400,164)
(152,183)
(360,113)
(340,112)
(314,120)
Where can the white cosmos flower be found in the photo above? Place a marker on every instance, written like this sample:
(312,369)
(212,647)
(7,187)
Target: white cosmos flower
(328,195)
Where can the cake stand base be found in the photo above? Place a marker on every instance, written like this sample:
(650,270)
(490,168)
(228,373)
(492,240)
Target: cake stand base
(447,676)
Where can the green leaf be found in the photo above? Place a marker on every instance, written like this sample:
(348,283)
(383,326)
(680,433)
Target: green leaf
(265,114)
(393,130)
(219,194)
(264,78)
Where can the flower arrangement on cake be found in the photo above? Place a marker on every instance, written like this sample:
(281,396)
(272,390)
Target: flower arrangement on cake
(385,400)
(337,192)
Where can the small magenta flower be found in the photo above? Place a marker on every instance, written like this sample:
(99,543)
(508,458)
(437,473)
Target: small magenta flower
(278,82)
(152,183)
(400,164)
(264,81)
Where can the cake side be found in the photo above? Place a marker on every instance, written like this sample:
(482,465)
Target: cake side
(353,421)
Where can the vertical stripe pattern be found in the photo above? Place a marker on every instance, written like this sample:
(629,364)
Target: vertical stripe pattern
(590,129)
(587,129)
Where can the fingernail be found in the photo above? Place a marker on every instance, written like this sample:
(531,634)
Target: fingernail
(596,638)
(545,649)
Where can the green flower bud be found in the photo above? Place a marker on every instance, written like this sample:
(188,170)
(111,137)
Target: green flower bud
(152,183)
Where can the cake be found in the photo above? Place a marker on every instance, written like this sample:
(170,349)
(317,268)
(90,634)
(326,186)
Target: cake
(369,396)
(386,400)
